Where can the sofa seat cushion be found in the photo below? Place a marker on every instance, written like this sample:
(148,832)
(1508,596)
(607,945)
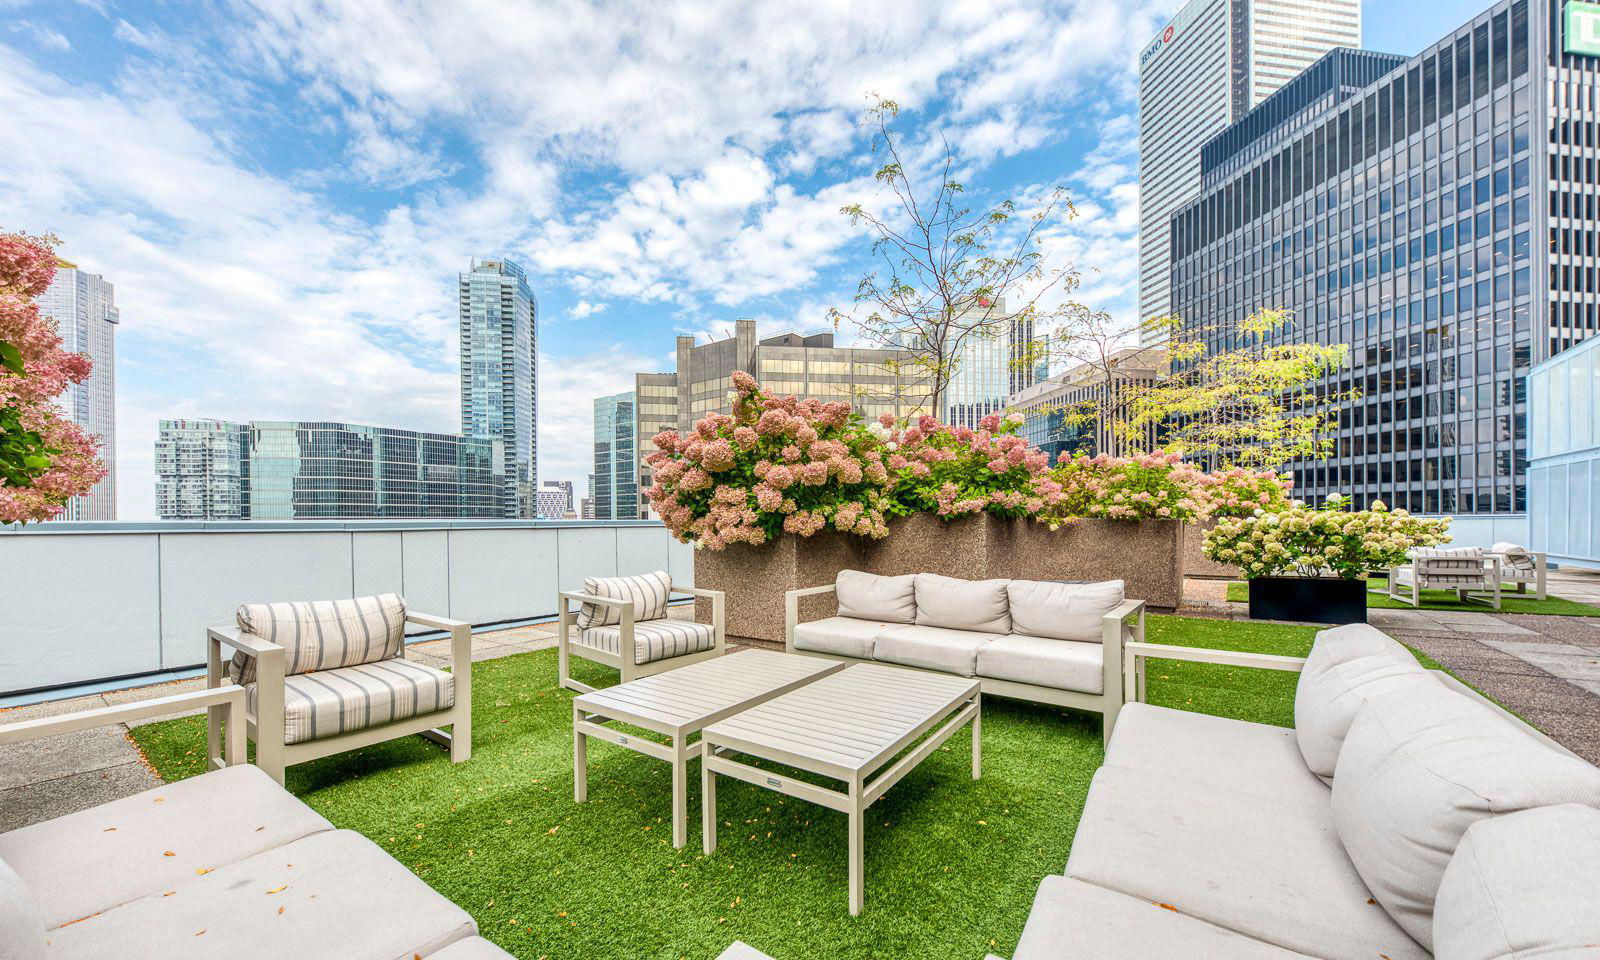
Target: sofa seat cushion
(1065,611)
(21,922)
(932,648)
(341,896)
(1074,920)
(655,639)
(330,702)
(840,636)
(471,948)
(1329,695)
(1523,885)
(1254,758)
(1045,662)
(323,634)
(95,859)
(1256,866)
(954,604)
(867,596)
(1418,768)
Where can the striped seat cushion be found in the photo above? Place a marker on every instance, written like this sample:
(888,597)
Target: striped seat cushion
(654,639)
(330,702)
(323,634)
(649,593)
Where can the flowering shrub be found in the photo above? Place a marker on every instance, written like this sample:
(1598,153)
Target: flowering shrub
(1240,492)
(45,459)
(1300,541)
(954,471)
(1156,486)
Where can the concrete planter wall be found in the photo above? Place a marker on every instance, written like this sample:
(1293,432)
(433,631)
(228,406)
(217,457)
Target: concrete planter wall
(756,578)
(1195,561)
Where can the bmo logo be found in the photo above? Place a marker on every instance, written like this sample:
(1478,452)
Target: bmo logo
(1158,44)
(1582,28)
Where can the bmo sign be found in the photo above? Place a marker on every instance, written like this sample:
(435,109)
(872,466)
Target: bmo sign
(1159,43)
(1582,28)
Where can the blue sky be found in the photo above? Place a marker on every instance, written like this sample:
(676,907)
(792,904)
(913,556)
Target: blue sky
(284,190)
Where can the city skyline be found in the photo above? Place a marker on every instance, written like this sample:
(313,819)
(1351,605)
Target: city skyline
(298,263)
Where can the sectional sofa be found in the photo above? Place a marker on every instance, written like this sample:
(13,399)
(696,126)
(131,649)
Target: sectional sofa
(1403,817)
(1046,641)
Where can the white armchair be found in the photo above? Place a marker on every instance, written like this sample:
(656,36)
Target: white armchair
(1466,570)
(1521,566)
(328,676)
(622,623)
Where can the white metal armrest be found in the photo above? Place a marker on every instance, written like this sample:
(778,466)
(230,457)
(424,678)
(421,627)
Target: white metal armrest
(229,697)
(791,610)
(811,591)
(697,591)
(1231,658)
(434,621)
(595,598)
(247,644)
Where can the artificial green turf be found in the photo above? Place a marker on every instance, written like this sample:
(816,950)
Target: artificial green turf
(951,864)
(1510,601)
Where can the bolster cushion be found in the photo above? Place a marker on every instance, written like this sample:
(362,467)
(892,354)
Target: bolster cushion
(323,634)
(1330,695)
(648,592)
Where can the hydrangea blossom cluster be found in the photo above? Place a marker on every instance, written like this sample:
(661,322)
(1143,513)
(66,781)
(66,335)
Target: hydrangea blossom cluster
(954,471)
(1240,492)
(776,464)
(1300,541)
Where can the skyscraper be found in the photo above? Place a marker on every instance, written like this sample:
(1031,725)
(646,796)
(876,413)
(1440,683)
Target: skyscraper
(1215,61)
(499,365)
(991,365)
(85,311)
(564,488)
(202,470)
(614,485)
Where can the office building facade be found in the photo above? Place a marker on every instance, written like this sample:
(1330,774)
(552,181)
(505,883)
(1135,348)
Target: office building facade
(499,319)
(1206,69)
(289,470)
(991,365)
(1053,408)
(614,485)
(84,308)
(1441,221)
(564,489)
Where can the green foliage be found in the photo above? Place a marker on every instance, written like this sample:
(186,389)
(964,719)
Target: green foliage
(1299,541)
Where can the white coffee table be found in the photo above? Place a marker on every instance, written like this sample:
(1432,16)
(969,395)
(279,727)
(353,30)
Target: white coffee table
(678,704)
(845,726)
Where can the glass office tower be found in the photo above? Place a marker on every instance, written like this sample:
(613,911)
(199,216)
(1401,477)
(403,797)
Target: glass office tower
(614,485)
(499,368)
(1441,221)
(84,307)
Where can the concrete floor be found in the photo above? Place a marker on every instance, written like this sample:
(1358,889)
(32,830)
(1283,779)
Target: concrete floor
(1546,668)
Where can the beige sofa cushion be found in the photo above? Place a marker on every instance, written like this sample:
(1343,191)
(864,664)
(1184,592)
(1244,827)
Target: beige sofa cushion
(21,923)
(1353,641)
(978,605)
(931,648)
(867,596)
(1065,611)
(649,593)
(1330,694)
(1523,885)
(323,634)
(1044,662)
(840,636)
(1418,768)
(95,859)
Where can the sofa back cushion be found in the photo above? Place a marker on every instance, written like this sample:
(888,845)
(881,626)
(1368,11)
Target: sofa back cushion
(1447,561)
(1351,642)
(867,596)
(324,634)
(1418,768)
(1063,611)
(21,923)
(977,605)
(1331,693)
(649,593)
(1524,885)
(1515,556)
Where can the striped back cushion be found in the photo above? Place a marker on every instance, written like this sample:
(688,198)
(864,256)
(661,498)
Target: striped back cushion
(648,593)
(1450,560)
(1516,557)
(324,634)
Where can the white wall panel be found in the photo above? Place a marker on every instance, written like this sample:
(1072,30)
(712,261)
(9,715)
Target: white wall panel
(505,574)
(586,552)
(425,555)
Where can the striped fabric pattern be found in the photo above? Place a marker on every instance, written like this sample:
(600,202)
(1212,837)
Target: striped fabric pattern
(327,703)
(649,593)
(654,639)
(323,634)
(1432,563)
(1515,557)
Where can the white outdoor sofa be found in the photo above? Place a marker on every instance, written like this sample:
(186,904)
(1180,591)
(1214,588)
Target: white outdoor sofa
(1404,816)
(623,623)
(225,864)
(1049,642)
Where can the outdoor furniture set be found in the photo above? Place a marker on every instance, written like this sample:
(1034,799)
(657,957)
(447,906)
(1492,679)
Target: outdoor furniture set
(1468,571)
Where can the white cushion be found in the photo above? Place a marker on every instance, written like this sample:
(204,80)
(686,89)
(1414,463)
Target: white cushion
(867,596)
(932,648)
(1515,557)
(1045,662)
(1523,885)
(323,634)
(1330,694)
(648,592)
(331,702)
(21,924)
(1417,769)
(1066,611)
(954,604)
(655,639)
(472,948)
(840,636)
(1352,641)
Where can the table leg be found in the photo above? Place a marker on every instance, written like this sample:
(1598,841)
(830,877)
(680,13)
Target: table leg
(977,737)
(580,759)
(858,816)
(680,792)
(708,800)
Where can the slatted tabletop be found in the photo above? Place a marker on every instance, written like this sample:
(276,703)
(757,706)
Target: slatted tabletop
(684,700)
(847,724)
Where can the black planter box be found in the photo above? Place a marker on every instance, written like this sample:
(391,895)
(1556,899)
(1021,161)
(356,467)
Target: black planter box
(1311,599)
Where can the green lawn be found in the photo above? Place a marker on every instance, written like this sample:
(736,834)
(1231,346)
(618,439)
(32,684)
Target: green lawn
(952,865)
(1510,601)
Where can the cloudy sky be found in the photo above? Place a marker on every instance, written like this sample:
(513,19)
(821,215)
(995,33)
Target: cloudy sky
(283,191)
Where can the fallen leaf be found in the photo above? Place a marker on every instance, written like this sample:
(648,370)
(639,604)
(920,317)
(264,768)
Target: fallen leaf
(278,889)
(1167,906)
(280,910)
(169,853)
(199,932)
(202,871)
(109,830)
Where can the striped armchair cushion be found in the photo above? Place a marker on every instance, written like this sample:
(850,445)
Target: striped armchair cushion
(344,700)
(324,634)
(1432,561)
(649,593)
(1515,557)
(654,639)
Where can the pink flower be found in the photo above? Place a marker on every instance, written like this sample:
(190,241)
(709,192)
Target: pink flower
(717,456)
(780,476)
(743,382)
(745,437)
(887,419)
(990,424)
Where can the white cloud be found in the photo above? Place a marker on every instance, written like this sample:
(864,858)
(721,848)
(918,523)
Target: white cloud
(584,309)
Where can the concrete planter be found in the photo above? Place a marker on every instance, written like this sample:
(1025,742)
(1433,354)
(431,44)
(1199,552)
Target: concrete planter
(756,578)
(1195,561)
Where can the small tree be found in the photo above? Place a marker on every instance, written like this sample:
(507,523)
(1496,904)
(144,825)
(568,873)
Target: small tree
(1256,405)
(45,459)
(949,273)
